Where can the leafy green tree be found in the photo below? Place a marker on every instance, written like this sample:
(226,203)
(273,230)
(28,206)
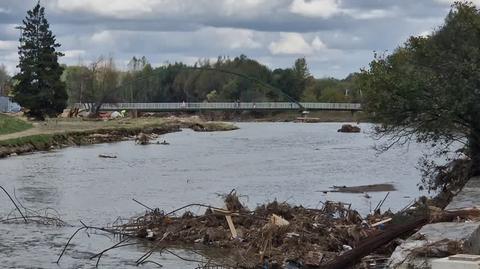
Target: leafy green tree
(429,89)
(331,90)
(285,80)
(38,86)
(212,96)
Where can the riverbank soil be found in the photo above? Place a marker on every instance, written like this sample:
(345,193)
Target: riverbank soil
(60,133)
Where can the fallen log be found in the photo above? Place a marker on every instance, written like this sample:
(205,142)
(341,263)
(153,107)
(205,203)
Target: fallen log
(371,244)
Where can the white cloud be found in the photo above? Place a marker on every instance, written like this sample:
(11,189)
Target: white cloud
(103,37)
(318,44)
(368,14)
(425,33)
(8,45)
(110,8)
(11,56)
(247,7)
(316,8)
(4,10)
(294,43)
(329,8)
(235,38)
(74,54)
(449,2)
(142,9)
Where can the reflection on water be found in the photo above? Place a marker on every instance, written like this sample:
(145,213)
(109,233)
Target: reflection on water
(265,161)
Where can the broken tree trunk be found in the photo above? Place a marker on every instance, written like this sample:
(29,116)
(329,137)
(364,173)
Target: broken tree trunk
(371,244)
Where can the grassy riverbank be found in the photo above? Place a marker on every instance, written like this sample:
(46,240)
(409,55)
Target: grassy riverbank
(60,133)
(10,125)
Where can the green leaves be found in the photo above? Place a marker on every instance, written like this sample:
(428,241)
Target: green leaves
(428,89)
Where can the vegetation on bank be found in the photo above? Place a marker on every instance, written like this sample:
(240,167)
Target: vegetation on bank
(37,140)
(10,125)
(428,90)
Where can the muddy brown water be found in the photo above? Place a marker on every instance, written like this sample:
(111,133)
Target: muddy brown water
(265,161)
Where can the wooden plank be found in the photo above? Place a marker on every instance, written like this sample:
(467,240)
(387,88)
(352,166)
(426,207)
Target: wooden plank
(381,222)
(231,226)
(279,221)
(228,216)
(224,212)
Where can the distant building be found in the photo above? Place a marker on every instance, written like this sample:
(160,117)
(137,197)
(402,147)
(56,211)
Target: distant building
(6,105)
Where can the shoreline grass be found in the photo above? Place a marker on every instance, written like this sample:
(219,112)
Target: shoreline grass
(10,125)
(31,139)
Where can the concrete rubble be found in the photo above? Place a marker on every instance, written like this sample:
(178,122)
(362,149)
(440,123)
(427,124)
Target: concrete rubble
(443,239)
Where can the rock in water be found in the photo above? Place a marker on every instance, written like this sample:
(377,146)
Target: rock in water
(142,139)
(348,128)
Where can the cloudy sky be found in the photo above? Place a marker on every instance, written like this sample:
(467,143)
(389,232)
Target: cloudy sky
(336,36)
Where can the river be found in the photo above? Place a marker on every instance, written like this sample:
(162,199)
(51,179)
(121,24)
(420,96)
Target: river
(290,162)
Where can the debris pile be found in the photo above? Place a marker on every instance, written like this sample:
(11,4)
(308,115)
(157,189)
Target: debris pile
(276,234)
(279,235)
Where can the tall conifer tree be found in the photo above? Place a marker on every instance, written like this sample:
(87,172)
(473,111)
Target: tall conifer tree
(38,86)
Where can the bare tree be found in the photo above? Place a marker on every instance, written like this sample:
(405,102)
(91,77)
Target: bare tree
(4,80)
(105,82)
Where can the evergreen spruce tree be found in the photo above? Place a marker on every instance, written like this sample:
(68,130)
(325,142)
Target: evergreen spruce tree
(38,86)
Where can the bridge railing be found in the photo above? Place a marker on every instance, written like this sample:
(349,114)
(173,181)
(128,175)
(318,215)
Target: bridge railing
(333,106)
(226,106)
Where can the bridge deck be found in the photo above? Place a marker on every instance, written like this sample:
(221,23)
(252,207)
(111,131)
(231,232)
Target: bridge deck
(226,106)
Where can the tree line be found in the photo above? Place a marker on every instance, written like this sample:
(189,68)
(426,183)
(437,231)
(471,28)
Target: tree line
(224,80)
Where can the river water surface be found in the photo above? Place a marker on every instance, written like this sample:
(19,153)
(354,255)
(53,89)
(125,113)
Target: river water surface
(264,161)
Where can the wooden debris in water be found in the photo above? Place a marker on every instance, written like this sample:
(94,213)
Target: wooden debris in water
(364,188)
(107,156)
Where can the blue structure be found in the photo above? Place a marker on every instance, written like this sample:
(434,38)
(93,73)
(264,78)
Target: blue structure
(6,105)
